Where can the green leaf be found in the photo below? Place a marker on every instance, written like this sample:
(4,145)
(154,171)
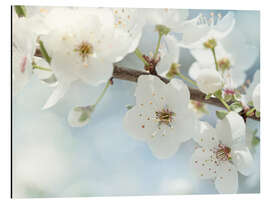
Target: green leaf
(20,11)
(221,114)
(236,106)
(208,96)
(128,106)
(218,94)
(255,141)
(257,114)
(228,97)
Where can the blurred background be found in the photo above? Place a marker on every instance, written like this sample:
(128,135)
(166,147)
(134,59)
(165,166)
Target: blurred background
(52,159)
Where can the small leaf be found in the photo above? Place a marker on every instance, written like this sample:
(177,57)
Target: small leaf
(228,97)
(221,114)
(128,106)
(208,96)
(218,94)
(257,114)
(236,106)
(20,11)
(255,141)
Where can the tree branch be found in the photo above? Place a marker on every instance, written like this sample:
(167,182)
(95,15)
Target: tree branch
(195,94)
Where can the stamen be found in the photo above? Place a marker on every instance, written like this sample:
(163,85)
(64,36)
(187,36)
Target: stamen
(165,117)
(85,49)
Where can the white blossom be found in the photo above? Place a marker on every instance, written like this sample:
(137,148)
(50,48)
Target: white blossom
(209,81)
(171,18)
(233,52)
(161,116)
(23,47)
(200,29)
(223,152)
(86,49)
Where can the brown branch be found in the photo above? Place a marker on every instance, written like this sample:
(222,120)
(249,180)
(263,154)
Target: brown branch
(195,94)
(132,75)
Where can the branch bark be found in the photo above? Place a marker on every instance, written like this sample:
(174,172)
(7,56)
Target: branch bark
(132,75)
(195,94)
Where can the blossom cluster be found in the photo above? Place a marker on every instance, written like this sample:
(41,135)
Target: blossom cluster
(64,45)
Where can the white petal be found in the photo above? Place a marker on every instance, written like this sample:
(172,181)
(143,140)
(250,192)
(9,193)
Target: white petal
(194,70)
(185,125)
(164,144)
(95,71)
(170,52)
(209,81)
(41,73)
(243,160)
(231,130)
(202,164)
(148,88)
(256,97)
(57,94)
(207,137)
(177,95)
(225,25)
(227,179)
(139,123)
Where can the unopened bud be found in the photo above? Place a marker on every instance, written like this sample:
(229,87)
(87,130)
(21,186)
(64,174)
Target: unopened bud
(210,44)
(162,29)
(224,64)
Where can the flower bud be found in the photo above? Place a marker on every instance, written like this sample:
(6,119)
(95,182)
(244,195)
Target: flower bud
(209,81)
(224,64)
(256,97)
(174,70)
(210,44)
(162,29)
(79,116)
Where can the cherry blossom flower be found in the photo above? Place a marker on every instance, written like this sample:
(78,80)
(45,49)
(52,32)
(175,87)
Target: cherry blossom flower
(199,30)
(23,47)
(209,81)
(223,152)
(86,49)
(234,55)
(171,18)
(161,116)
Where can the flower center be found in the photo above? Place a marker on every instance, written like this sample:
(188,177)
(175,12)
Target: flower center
(84,49)
(223,153)
(224,64)
(165,117)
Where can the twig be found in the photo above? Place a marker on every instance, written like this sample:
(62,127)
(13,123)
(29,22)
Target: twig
(195,94)
(132,75)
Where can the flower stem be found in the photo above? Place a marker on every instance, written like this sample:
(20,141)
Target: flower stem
(250,111)
(186,79)
(224,103)
(158,45)
(140,56)
(102,93)
(215,58)
(44,52)
(41,68)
